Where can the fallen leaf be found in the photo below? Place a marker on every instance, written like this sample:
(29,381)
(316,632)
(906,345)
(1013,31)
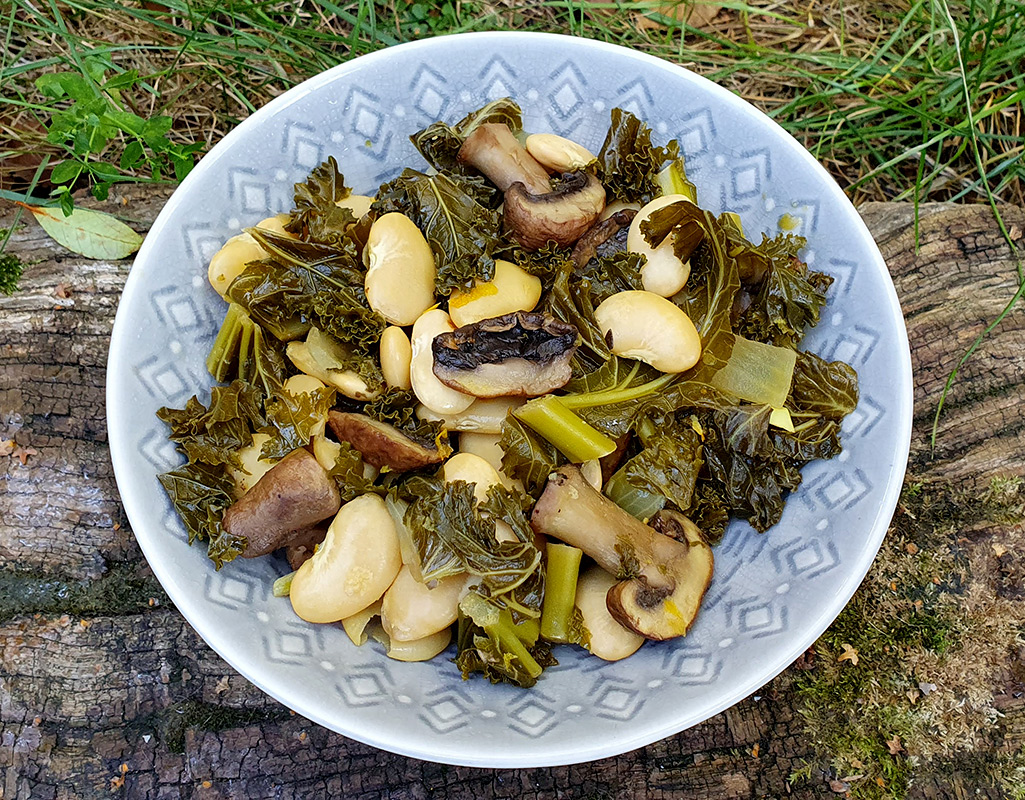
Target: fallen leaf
(63,291)
(848,654)
(6,447)
(22,453)
(913,695)
(222,685)
(894,745)
(1014,232)
(695,13)
(999,550)
(92,234)
(857,763)
(754,750)
(838,786)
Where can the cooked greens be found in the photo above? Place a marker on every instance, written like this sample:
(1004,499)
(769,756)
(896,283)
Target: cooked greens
(724,439)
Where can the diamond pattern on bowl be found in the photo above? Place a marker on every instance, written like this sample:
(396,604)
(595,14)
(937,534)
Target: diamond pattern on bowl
(427,88)
(536,715)
(696,133)
(497,79)
(369,685)
(749,174)
(804,557)
(757,617)
(616,698)
(446,712)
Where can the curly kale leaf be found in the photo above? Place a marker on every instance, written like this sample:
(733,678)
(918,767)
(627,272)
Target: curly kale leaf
(668,465)
(829,388)
(462,233)
(200,494)
(528,457)
(607,275)
(214,435)
(315,217)
(491,642)
(397,407)
(348,476)
(628,163)
(293,418)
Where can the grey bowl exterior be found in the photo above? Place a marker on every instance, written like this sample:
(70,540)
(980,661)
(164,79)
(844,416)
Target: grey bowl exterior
(772,594)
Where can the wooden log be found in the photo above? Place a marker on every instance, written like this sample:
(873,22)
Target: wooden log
(105,691)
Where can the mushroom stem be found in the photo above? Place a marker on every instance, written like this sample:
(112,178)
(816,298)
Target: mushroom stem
(494,150)
(663,578)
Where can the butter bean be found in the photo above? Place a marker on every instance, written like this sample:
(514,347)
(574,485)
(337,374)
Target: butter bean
(557,153)
(396,354)
(645,326)
(511,289)
(229,262)
(663,273)
(428,389)
(353,567)
(400,269)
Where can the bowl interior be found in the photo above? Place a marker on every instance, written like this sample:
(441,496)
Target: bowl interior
(772,594)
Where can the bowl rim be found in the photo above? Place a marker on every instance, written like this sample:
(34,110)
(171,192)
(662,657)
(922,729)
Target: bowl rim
(192,607)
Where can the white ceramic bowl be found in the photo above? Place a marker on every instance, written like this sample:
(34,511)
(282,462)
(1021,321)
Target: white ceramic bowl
(772,595)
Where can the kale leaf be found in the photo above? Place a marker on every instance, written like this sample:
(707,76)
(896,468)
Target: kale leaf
(315,217)
(628,163)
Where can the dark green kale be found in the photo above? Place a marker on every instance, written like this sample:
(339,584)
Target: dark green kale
(315,217)
(628,163)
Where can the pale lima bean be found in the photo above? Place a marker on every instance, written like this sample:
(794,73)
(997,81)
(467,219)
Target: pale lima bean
(229,262)
(396,354)
(411,610)
(428,389)
(400,269)
(607,638)
(357,561)
(475,470)
(649,328)
(511,289)
(557,153)
(663,273)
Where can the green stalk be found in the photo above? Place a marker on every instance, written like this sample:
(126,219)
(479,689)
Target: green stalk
(610,397)
(560,591)
(283,585)
(577,440)
(226,345)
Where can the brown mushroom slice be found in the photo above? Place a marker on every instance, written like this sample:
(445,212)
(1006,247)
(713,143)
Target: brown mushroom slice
(562,215)
(667,578)
(519,354)
(381,444)
(295,494)
(302,543)
(588,245)
(494,150)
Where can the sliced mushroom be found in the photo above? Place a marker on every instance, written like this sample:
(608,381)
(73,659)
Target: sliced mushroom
(293,495)
(302,544)
(666,579)
(381,444)
(522,354)
(587,247)
(494,150)
(562,215)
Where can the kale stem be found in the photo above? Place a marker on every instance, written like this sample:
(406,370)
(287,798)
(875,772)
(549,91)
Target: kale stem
(503,632)
(577,440)
(225,346)
(560,591)
(283,585)
(609,397)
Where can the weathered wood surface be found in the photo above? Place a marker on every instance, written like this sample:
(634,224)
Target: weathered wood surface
(106,691)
